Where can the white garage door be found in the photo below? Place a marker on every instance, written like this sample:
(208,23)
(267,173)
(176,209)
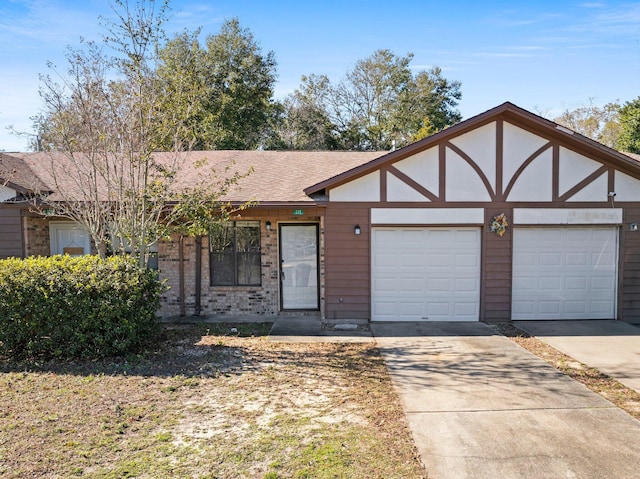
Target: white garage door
(564,273)
(425,274)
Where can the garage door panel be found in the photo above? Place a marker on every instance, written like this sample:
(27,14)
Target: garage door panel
(575,259)
(549,259)
(384,308)
(437,311)
(549,306)
(575,283)
(466,260)
(439,285)
(574,235)
(437,260)
(549,283)
(382,260)
(385,284)
(469,309)
(524,259)
(522,307)
(564,273)
(524,283)
(604,260)
(410,308)
(466,285)
(601,306)
(436,274)
(602,283)
(439,237)
(412,284)
(575,307)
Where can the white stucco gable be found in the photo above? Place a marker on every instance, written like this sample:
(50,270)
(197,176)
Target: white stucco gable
(504,155)
(6,193)
(366,188)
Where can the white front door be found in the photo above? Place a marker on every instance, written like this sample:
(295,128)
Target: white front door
(425,274)
(299,267)
(564,273)
(69,238)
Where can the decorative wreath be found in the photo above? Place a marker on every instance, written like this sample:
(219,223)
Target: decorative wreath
(499,224)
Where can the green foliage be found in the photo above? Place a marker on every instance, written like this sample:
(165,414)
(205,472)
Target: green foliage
(379,102)
(305,122)
(224,89)
(68,307)
(629,140)
(601,124)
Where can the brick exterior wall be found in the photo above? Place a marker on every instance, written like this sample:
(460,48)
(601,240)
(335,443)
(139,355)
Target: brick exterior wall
(231,300)
(37,242)
(215,300)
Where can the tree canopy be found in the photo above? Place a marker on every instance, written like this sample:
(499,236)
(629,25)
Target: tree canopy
(601,124)
(379,102)
(629,140)
(228,82)
(104,121)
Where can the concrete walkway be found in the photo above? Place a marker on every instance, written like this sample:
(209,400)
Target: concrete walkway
(479,406)
(310,329)
(612,347)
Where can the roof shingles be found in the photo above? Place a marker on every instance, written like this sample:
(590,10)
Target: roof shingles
(276,176)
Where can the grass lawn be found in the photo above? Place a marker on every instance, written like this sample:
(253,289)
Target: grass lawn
(207,404)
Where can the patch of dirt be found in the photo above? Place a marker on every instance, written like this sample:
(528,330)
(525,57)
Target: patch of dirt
(208,401)
(623,397)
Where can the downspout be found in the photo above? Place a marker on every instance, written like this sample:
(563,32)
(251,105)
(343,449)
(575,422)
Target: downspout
(198,307)
(181,273)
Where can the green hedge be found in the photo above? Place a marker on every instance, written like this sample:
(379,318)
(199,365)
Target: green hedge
(83,307)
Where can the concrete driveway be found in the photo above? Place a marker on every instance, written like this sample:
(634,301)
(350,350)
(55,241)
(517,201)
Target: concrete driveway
(613,347)
(479,406)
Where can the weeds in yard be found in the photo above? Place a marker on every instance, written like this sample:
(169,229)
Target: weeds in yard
(207,404)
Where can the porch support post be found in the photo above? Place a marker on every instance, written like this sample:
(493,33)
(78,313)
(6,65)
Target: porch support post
(198,306)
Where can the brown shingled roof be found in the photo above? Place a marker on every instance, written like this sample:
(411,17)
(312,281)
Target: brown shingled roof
(277,177)
(635,156)
(18,175)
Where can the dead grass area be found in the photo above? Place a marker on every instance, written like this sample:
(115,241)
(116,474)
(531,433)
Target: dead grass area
(620,395)
(207,404)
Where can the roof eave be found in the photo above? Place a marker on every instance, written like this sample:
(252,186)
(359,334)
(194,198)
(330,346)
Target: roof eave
(506,110)
(407,150)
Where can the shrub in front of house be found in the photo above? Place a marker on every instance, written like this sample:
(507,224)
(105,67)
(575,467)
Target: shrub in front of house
(76,307)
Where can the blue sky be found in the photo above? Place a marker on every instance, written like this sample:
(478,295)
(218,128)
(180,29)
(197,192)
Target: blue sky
(545,56)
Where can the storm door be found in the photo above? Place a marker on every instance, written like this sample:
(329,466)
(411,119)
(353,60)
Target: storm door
(299,267)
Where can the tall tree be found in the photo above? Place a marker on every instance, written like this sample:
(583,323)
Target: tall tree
(369,101)
(230,85)
(103,123)
(306,124)
(629,139)
(380,102)
(601,124)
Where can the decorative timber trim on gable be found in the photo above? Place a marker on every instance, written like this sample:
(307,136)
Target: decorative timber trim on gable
(505,155)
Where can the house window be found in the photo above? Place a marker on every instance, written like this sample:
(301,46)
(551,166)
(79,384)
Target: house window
(235,254)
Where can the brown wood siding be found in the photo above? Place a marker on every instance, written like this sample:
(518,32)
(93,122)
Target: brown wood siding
(347,258)
(629,294)
(495,300)
(11,237)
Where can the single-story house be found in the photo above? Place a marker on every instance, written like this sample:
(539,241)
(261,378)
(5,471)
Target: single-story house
(504,216)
